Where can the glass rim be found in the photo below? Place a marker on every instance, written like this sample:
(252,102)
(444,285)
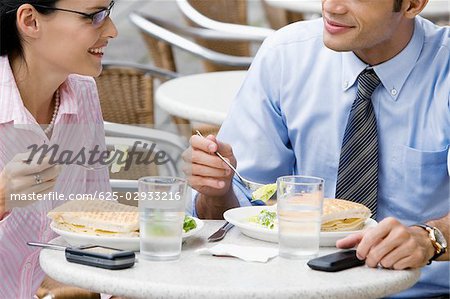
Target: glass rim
(175,180)
(319,180)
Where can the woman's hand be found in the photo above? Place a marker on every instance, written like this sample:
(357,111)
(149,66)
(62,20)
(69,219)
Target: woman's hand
(22,177)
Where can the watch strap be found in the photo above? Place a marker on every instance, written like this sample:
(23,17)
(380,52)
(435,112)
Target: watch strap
(431,234)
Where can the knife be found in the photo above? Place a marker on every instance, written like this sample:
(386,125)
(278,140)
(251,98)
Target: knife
(220,234)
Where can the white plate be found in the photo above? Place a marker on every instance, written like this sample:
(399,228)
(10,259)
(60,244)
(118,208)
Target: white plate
(239,216)
(125,243)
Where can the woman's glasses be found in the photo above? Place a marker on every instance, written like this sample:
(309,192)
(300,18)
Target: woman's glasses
(97,18)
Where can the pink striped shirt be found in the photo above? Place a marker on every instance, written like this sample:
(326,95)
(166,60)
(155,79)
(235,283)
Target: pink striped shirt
(79,123)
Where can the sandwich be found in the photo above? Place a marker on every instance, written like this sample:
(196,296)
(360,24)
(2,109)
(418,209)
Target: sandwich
(102,218)
(97,217)
(338,215)
(343,215)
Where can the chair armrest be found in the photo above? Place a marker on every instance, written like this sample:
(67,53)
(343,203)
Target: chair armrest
(159,136)
(124,185)
(202,33)
(160,33)
(159,72)
(250,32)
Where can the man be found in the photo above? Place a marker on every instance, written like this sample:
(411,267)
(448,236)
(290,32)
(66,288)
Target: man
(296,113)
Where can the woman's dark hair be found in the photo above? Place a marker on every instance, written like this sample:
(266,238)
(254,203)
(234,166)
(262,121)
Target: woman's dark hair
(10,40)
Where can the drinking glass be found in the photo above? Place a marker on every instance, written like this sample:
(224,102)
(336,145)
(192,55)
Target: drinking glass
(299,210)
(161,213)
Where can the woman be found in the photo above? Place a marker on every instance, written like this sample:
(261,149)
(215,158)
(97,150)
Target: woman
(47,50)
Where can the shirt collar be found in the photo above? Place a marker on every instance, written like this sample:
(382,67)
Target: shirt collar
(392,73)
(11,104)
(68,98)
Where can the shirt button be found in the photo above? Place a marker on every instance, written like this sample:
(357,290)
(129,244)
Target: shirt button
(27,265)
(345,84)
(394,92)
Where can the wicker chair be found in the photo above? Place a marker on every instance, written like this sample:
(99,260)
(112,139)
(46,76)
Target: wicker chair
(163,57)
(229,11)
(161,35)
(126,92)
(233,11)
(249,33)
(278,17)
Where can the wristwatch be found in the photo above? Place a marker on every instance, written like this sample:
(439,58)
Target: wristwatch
(436,238)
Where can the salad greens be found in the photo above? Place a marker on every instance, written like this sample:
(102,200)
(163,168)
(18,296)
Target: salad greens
(188,224)
(157,229)
(265,192)
(265,218)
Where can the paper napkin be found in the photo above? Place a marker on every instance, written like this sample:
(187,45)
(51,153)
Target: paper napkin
(246,253)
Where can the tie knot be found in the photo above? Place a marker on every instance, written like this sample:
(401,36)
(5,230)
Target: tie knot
(367,82)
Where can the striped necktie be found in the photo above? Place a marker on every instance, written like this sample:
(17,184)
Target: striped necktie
(358,165)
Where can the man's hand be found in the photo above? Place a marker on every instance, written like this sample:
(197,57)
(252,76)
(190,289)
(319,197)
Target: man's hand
(210,176)
(391,245)
(206,172)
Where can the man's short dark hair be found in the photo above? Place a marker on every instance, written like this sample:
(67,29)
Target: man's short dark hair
(397,5)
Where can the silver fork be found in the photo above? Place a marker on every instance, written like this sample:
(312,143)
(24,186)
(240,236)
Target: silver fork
(252,186)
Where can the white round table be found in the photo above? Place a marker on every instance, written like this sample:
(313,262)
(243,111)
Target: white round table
(202,97)
(202,276)
(434,8)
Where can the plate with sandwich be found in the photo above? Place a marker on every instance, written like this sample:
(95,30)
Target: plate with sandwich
(340,219)
(105,223)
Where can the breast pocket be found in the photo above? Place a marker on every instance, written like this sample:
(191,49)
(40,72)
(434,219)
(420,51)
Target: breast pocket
(426,178)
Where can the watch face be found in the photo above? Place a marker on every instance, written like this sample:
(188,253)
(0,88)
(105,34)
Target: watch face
(440,238)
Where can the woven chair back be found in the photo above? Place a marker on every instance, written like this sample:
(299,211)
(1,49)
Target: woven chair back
(161,52)
(279,17)
(126,95)
(228,11)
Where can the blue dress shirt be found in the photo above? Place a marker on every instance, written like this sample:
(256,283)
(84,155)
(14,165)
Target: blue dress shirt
(290,115)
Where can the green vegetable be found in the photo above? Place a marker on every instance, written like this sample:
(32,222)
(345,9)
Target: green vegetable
(265,218)
(159,230)
(265,192)
(189,224)
(156,229)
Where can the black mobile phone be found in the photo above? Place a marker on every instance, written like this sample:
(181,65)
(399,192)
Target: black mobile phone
(93,255)
(102,257)
(336,261)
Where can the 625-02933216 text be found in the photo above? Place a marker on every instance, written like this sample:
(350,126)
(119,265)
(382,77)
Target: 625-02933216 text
(149,196)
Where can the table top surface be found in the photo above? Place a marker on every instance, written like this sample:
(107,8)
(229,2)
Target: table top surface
(202,97)
(433,8)
(203,276)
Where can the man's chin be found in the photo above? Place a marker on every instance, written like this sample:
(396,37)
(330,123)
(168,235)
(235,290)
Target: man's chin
(336,45)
